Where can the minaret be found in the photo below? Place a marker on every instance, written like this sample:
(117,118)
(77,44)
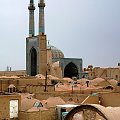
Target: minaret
(42,40)
(31,8)
(41,6)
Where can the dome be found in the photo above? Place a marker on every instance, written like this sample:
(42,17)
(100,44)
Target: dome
(56,53)
(11,86)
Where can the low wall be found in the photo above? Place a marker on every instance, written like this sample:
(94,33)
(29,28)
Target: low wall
(110,99)
(11,73)
(21,83)
(39,88)
(39,115)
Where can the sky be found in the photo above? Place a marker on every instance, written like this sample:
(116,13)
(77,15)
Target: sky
(87,29)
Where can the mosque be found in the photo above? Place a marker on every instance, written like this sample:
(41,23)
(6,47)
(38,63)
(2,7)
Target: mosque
(47,59)
(25,97)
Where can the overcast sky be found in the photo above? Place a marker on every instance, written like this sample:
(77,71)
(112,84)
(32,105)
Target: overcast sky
(87,29)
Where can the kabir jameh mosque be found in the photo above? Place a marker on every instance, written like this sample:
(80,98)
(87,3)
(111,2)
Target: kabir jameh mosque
(42,58)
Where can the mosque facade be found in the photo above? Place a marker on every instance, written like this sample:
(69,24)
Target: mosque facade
(47,59)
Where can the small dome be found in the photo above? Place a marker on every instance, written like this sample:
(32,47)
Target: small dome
(11,86)
(56,53)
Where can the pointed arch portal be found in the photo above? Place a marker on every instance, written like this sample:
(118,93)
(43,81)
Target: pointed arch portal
(33,61)
(71,70)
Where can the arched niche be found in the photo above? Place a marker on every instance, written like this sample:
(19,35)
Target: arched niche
(33,55)
(71,70)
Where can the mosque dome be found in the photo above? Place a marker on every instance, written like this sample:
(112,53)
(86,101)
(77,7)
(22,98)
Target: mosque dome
(56,53)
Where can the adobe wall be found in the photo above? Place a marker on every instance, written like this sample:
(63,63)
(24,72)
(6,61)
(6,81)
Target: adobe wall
(39,88)
(56,71)
(13,73)
(111,73)
(91,100)
(24,116)
(32,81)
(29,115)
(5,105)
(51,114)
(110,99)
(39,115)
(21,83)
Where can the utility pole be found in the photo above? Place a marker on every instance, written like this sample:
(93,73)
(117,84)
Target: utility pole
(1,85)
(46,82)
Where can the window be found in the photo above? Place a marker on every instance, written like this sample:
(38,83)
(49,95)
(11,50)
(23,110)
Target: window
(13,108)
(38,104)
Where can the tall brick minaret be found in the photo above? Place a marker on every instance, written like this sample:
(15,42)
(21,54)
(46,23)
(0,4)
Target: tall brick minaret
(31,8)
(41,6)
(42,39)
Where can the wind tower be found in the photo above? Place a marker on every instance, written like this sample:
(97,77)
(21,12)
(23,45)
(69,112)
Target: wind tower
(31,8)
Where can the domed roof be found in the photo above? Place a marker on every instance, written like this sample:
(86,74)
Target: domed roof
(56,53)
(11,86)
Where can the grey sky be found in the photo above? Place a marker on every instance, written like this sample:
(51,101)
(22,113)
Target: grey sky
(87,29)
